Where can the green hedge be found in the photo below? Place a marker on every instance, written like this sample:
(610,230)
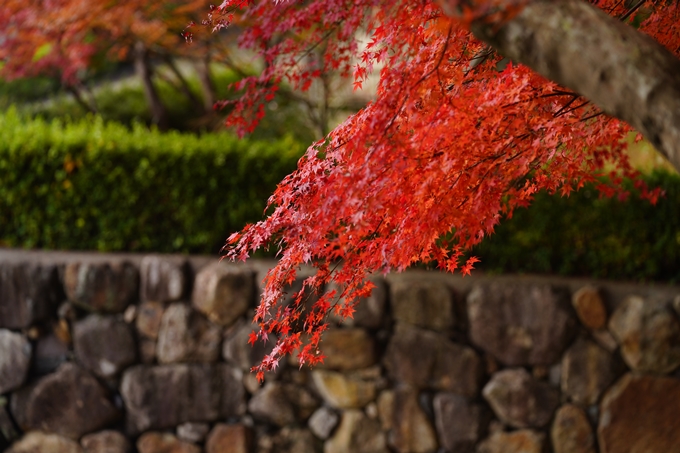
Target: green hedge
(585,235)
(100,186)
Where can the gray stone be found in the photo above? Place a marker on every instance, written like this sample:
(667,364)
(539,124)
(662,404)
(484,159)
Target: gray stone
(427,359)
(39,442)
(15,359)
(357,434)
(50,351)
(587,370)
(343,392)
(520,400)
(323,422)
(28,293)
(225,438)
(412,431)
(589,307)
(102,287)
(348,349)
(571,431)
(106,442)
(522,441)
(520,324)
(194,432)
(237,350)
(154,442)
(639,414)
(272,405)
(104,345)
(649,334)
(162,397)
(427,304)
(223,293)
(163,278)
(187,336)
(69,402)
(460,423)
(148,319)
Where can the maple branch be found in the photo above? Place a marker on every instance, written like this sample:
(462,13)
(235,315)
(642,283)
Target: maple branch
(621,70)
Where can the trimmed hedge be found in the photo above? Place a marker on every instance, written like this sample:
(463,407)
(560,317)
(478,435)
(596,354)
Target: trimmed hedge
(101,186)
(586,235)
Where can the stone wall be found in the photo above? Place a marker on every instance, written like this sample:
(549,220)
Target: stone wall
(123,353)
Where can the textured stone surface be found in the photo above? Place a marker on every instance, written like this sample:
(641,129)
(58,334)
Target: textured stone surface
(427,304)
(187,336)
(323,422)
(154,442)
(15,359)
(589,307)
(223,293)
(522,441)
(649,334)
(460,423)
(520,324)
(163,278)
(28,293)
(520,400)
(8,431)
(49,353)
(343,392)
(69,402)
(148,319)
(237,350)
(587,370)
(272,405)
(288,440)
(104,345)
(639,414)
(357,434)
(162,397)
(193,432)
(229,439)
(348,349)
(39,442)
(426,359)
(412,430)
(106,442)
(102,287)
(571,431)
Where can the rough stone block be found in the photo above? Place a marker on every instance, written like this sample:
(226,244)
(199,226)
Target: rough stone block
(163,278)
(102,287)
(187,336)
(104,345)
(28,293)
(426,304)
(223,293)
(15,359)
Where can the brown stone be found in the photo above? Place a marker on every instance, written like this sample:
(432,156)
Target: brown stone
(426,359)
(522,441)
(106,442)
(28,293)
(571,431)
(649,334)
(271,404)
(162,397)
(15,359)
(639,414)
(589,307)
(229,439)
(412,431)
(154,442)
(460,423)
(291,440)
(187,336)
(357,434)
(587,370)
(520,400)
(39,442)
(520,324)
(102,287)
(104,358)
(147,350)
(386,409)
(69,402)
(223,293)
(323,422)
(163,278)
(237,350)
(148,320)
(426,304)
(343,392)
(49,353)
(348,349)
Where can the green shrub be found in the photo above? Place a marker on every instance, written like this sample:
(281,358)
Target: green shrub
(101,186)
(586,235)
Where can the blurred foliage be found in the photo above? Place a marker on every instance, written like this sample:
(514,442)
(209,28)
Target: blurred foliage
(94,185)
(587,235)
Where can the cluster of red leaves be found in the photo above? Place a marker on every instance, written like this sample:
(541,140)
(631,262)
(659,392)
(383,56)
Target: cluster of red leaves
(449,146)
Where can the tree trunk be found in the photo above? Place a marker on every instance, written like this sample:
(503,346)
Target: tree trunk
(619,69)
(159,114)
